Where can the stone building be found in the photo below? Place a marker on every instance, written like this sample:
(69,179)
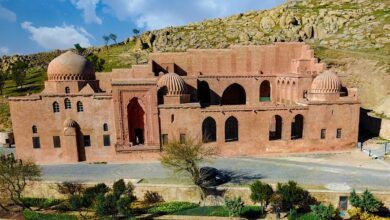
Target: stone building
(245,100)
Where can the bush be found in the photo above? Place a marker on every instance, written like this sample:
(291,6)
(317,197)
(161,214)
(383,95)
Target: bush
(261,192)
(234,206)
(171,207)
(41,203)
(152,197)
(106,205)
(322,212)
(119,188)
(69,188)
(31,215)
(124,206)
(90,194)
(366,202)
(291,196)
(292,214)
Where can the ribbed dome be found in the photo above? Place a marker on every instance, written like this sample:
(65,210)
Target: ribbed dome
(69,123)
(326,82)
(174,83)
(70,66)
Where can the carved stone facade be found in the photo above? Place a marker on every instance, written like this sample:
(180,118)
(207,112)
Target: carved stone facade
(245,100)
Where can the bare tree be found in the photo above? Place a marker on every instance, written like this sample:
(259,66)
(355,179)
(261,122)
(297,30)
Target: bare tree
(113,37)
(106,40)
(14,175)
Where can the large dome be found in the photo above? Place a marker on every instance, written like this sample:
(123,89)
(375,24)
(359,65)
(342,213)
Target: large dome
(326,82)
(174,83)
(70,66)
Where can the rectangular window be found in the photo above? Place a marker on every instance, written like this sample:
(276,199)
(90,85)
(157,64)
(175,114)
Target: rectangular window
(56,142)
(182,138)
(164,139)
(87,141)
(106,140)
(36,142)
(323,132)
(338,133)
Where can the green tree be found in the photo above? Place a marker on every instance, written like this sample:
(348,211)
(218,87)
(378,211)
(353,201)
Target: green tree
(261,193)
(14,176)
(291,196)
(118,188)
(80,50)
(185,158)
(19,72)
(113,37)
(366,202)
(322,212)
(98,63)
(3,77)
(106,205)
(136,31)
(106,40)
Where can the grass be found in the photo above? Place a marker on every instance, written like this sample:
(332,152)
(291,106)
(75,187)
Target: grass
(32,215)
(221,211)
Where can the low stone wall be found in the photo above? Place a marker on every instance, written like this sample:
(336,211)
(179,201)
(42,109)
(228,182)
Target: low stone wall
(191,193)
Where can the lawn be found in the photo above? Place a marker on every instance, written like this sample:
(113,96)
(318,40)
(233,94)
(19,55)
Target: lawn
(221,211)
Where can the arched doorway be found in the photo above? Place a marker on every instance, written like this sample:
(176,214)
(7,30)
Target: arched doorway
(231,129)
(136,115)
(275,129)
(297,127)
(209,130)
(234,95)
(265,91)
(203,93)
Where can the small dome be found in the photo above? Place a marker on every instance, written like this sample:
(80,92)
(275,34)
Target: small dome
(69,123)
(326,82)
(70,66)
(174,83)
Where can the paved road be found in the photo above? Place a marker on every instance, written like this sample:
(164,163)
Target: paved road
(268,169)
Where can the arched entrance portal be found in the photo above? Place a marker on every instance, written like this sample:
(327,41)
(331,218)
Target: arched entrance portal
(136,117)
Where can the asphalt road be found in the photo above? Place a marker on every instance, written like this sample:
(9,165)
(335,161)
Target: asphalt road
(243,169)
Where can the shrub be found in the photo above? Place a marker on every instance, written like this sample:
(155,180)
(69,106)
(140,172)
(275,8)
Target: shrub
(90,194)
(152,197)
(292,214)
(171,207)
(119,188)
(69,188)
(41,203)
(106,205)
(293,197)
(261,192)
(124,206)
(366,202)
(322,212)
(234,206)
(31,215)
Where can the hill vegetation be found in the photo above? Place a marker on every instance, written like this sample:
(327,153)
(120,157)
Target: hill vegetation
(351,36)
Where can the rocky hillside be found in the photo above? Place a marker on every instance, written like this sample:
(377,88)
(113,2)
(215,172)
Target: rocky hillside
(351,36)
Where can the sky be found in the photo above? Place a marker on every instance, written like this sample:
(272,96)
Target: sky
(30,26)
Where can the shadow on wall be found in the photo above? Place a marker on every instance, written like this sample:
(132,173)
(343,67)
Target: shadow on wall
(369,127)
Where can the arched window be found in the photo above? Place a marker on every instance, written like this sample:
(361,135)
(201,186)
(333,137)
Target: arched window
(234,95)
(265,91)
(231,129)
(203,93)
(209,130)
(80,107)
(67,89)
(56,107)
(172,118)
(34,129)
(105,127)
(297,127)
(343,91)
(275,128)
(68,105)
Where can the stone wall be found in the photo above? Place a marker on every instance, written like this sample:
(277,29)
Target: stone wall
(190,193)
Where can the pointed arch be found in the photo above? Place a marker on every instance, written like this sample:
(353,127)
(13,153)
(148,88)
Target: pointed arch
(265,91)
(68,104)
(56,107)
(80,107)
(231,129)
(34,129)
(209,130)
(136,122)
(234,95)
(67,89)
